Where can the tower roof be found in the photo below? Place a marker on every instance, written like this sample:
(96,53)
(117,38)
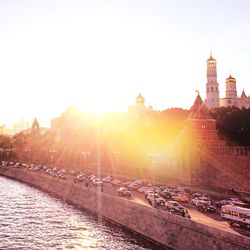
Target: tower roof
(230,79)
(211,59)
(35,123)
(140,99)
(199,110)
(243,95)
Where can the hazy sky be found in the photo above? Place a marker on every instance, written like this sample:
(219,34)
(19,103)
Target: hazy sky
(100,54)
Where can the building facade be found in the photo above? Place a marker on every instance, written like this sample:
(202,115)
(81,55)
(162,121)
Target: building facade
(231,98)
(139,106)
(212,86)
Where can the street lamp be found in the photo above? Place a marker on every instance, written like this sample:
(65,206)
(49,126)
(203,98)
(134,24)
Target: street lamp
(11,150)
(27,154)
(154,157)
(52,152)
(8,153)
(84,156)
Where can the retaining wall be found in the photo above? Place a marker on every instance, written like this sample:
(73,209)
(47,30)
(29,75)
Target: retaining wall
(167,229)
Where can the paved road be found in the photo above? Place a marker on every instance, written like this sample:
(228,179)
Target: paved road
(209,219)
(212,220)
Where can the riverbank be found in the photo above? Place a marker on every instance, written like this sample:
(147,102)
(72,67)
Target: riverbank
(167,229)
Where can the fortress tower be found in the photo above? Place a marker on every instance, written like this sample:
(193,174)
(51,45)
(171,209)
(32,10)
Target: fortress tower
(212,86)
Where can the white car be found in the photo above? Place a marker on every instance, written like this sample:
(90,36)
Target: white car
(148,192)
(157,198)
(138,182)
(196,200)
(97,182)
(116,183)
(123,192)
(174,206)
(142,189)
(107,179)
(231,201)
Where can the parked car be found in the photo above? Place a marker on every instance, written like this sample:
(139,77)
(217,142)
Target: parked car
(79,178)
(72,172)
(231,201)
(157,198)
(174,206)
(133,187)
(165,194)
(180,197)
(107,179)
(97,182)
(122,191)
(139,182)
(148,192)
(204,207)
(142,189)
(203,199)
(116,183)
(62,176)
(199,194)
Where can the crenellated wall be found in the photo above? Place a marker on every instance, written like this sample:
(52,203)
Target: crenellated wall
(230,150)
(172,231)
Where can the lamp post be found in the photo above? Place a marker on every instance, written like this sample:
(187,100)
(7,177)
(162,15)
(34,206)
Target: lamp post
(11,150)
(7,153)
(28,154)
(154,157)
(52,152)
(84,156)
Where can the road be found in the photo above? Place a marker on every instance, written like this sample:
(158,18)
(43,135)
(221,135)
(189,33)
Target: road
(210,219)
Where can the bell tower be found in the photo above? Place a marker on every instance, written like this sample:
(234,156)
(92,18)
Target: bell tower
(231,90)
(212,86)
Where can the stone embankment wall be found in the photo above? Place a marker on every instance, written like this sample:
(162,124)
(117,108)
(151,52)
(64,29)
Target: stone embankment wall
(170,230)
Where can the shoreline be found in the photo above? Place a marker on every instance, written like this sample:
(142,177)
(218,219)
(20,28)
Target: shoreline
(160,228)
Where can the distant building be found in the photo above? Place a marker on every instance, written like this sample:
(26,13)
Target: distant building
(212,90)
(35,128)
(20,125)
(212,86)
(2,129)
(139,106)
(231,98)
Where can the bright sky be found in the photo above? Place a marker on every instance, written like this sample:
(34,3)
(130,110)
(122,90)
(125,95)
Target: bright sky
(100,54)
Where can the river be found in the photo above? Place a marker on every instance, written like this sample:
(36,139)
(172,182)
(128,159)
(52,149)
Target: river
(31,219)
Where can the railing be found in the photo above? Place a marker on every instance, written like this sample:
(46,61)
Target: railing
(230,150)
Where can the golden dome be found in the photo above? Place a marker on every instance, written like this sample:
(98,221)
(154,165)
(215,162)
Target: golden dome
(211,59)
(230,79)
(140,99)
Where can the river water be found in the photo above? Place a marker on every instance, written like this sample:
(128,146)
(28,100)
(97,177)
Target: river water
(31,219)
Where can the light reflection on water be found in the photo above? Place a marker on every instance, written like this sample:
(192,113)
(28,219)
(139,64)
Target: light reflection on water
(31,219)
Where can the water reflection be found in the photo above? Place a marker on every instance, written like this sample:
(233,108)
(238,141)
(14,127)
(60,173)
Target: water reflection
(31,219)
